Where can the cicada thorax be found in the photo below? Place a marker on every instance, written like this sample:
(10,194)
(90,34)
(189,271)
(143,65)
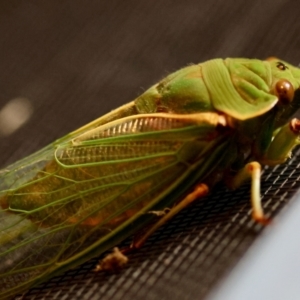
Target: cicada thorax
(165,96)
(241,88)
(215,85)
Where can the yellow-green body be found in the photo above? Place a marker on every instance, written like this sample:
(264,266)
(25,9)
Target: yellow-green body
(89,190)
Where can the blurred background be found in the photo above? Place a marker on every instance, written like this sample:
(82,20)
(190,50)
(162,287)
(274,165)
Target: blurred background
(65,63)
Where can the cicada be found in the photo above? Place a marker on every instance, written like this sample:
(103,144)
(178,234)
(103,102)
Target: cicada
(219,120)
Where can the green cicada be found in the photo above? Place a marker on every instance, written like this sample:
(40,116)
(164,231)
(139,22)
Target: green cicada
(86,192)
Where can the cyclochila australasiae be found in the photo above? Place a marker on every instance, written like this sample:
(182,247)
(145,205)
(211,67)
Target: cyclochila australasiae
(86,192)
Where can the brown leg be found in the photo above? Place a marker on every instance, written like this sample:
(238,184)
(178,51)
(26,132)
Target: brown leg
(201,190)
(117,259)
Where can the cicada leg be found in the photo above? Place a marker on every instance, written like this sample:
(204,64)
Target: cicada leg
(283,143)
(200,190)
(286,138)
(251,171)
(117,259)
(113,262)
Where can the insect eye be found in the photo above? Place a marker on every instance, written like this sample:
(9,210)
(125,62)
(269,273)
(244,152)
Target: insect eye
(284,91)
(281,66)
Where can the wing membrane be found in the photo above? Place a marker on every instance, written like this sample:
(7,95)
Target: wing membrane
(88,192)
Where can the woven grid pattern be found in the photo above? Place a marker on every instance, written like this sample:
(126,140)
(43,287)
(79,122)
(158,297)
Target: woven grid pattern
(75,61)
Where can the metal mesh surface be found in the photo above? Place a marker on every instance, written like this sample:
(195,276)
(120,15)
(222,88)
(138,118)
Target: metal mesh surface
(75,60)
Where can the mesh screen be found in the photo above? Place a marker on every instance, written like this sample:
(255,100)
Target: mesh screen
(76,60)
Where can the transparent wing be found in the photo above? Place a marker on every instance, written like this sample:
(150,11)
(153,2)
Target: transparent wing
(92,190)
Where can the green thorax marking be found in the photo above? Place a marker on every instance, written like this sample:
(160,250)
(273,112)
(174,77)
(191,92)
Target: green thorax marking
(247,100)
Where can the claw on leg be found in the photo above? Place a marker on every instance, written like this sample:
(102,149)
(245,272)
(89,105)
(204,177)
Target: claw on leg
(113,262)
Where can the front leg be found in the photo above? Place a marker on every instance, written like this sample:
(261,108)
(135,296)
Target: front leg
(277,153)
(283,143)
(251,171)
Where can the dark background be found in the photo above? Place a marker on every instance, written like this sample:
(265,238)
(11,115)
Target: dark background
(76,60)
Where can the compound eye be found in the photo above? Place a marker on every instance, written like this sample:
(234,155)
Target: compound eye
(281,66)
(284,91)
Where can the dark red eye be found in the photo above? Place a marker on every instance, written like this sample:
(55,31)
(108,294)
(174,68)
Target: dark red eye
(281,66)
(284,91)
